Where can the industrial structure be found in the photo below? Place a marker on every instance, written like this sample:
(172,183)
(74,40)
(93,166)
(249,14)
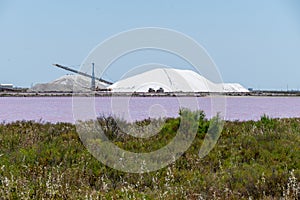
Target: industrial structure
(93,78)
(10,88)
(6,86)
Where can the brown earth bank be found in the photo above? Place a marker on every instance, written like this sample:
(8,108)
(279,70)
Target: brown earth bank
(146,94)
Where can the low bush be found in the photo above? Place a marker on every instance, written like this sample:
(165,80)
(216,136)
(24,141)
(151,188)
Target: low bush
(251,160)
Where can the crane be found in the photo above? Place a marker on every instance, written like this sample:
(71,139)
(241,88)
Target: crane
(85,74)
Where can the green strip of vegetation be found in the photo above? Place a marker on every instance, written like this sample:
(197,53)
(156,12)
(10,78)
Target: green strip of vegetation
(257,160)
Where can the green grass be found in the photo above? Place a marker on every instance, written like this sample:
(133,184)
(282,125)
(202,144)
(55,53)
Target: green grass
(257,160)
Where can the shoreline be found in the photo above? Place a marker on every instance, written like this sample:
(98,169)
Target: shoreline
(147,94)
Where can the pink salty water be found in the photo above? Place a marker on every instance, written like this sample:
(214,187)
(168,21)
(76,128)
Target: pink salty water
(60,109)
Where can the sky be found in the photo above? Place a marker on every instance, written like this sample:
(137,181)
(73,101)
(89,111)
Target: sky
(254,43)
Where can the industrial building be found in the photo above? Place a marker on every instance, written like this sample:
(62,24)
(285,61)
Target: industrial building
(5,87)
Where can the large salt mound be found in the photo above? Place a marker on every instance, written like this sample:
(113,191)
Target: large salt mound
(66,84)
(172,80)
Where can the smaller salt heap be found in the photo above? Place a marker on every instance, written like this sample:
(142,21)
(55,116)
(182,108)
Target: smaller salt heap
(66,83)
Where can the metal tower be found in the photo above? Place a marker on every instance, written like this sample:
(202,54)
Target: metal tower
(93,83)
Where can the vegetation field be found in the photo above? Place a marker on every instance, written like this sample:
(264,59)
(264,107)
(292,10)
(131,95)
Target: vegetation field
(251,160)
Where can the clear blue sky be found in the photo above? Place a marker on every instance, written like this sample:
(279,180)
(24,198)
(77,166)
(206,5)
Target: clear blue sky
(255,43)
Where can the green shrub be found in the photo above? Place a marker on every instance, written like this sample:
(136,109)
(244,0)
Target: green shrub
(257,160)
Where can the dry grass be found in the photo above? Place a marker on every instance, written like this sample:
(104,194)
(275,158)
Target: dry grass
(252,160)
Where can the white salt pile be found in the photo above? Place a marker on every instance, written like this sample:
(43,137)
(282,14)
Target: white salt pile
(66,84)
(172,80)
(167,79)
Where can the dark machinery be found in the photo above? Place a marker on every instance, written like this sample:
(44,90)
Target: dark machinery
(84,74)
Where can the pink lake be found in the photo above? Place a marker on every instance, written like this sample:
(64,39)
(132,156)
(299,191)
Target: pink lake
(60,109)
